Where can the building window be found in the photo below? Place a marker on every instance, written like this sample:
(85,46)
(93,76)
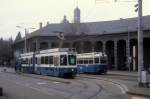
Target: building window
(43,45)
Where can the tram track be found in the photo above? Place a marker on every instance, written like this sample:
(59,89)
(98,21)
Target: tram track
(97,93)
(122,87)
(87,88)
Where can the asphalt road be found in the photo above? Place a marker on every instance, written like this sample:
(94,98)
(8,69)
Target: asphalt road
(22,87)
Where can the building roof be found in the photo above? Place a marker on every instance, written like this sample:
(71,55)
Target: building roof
(92,28)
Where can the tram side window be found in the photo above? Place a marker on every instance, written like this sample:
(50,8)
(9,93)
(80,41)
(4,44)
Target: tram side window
(31,60)
(103,60)
(46,59)
(72,59)
(27,61)
(96,60)
(42,60)
(90,61)
(23,61)
(80,61)
(85,61)
(63,59)
(36,60)
(50,59)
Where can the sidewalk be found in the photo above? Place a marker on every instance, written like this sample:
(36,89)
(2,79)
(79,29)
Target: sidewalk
(131,85)
(124,73)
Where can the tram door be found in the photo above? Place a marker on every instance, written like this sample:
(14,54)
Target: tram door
(56,61)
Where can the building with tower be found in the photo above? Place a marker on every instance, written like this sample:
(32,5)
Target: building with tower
(117,38)
(77,15)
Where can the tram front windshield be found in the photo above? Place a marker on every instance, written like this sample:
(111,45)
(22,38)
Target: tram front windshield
(71,59)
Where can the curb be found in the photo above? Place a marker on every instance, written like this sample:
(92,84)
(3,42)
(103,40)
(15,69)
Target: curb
(137,94)
(121,75)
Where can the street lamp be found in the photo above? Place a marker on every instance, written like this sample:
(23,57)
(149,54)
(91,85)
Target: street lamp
(26,32)
(140,41)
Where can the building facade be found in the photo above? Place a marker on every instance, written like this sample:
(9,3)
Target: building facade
(117,38)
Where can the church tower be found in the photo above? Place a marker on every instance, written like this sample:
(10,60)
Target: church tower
(65,20)
(76,15)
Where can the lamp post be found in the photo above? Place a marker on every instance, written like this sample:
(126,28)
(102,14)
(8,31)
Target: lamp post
(26,32)
(140,43)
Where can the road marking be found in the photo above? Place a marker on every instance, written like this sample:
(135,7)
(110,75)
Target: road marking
(41,83)
(56,82)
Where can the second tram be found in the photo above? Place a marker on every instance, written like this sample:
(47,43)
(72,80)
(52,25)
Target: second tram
(94,63)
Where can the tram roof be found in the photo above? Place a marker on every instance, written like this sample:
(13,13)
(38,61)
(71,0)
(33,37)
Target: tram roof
(26,54)
(90,55)
(57,50)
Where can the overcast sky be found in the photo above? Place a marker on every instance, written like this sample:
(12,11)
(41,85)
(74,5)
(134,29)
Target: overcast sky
(28,13)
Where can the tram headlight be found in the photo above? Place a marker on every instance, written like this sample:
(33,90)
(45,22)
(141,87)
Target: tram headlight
(72,69)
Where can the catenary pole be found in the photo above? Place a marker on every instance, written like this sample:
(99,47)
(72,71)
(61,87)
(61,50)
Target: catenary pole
(140,43)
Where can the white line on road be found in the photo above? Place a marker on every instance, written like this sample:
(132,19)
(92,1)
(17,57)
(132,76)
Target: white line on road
(41,83)
(56,82)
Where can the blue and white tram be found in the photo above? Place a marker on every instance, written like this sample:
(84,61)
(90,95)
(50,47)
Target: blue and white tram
(60,62)
(27,62)
(56,62)
(94,63)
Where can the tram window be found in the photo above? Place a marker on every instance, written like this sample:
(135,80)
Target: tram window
(63,59)
(96,60)
(23,61)
(31,60)
(42,60)
(85,61)
(72,59)
(50,59)
(90,61)
(38,60)
(102,60)
(46,59)
(27,61)
(77,61)
(56,60)
(80,61)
